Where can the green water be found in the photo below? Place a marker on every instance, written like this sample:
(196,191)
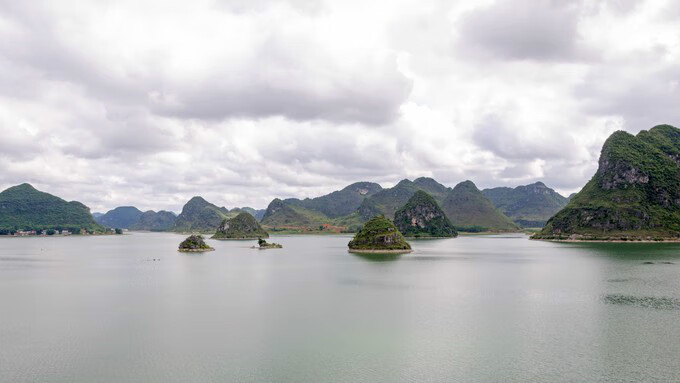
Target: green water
(470,309)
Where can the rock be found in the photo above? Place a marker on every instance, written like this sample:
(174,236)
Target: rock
(422,217)
(194,243)
(265,245)
(243,226)
(379,235)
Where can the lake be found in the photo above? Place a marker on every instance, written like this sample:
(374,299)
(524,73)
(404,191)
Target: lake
(497,308)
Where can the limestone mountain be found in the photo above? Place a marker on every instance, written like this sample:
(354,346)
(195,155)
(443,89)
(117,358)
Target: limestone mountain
(635,193)
(199,215)
(121,217)
(421,216)
(379,235)
(469,210)
(257,213)
(338,203)
(155,221)
(282,214)
(387,201)
(529,206)
(23,207)
(243,226)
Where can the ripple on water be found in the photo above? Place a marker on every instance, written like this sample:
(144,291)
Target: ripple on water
(659,303)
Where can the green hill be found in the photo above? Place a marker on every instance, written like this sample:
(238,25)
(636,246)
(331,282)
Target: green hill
(469,210)
(155,221)
(257,213)
(199,215)
(23,207)
(635,193)
(121,217)
(243,226)
(338,203)
(379,235)
(281,214)
(422,217)
(529,206)
(387,201)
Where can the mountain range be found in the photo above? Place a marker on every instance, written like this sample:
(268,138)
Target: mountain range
(529,205)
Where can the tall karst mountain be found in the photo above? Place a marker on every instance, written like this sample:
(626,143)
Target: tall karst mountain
(387,201)
(243,226)
(23,207)
(199,215)
(635,193)
(421,216)
(469,210)
(529,205)
(121,217)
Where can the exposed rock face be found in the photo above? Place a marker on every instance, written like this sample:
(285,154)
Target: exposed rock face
(379,235)
(635,193)
(243,226)
(422,216)
(194,243)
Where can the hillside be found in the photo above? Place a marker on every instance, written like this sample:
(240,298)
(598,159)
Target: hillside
(257,213)
(199,215)
(281,214)
(528,206)
(422,217)
(469,210)
(387,201)
(338,203)
(121,217)
(243,226)
(379,235)
(635,193)
(155,221)
(23,207)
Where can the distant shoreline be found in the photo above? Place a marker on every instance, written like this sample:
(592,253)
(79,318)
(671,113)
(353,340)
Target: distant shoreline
(607,240)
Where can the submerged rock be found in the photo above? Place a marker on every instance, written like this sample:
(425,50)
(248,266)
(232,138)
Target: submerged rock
(379,235)
(194,243)
(243,226)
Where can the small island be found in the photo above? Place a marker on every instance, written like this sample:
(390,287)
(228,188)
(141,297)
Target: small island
(379,235)
(243,226)
(194,244)
(266,245)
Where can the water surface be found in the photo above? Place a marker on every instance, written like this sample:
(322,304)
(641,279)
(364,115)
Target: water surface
(475,309)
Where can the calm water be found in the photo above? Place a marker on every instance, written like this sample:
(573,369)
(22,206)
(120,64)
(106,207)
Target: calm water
(473,309)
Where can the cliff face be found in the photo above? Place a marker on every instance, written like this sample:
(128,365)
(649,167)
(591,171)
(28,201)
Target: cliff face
(422,216)
(635,193)
(243,226)
(379,234)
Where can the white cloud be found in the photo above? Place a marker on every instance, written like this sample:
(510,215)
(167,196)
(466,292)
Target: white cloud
(151,102)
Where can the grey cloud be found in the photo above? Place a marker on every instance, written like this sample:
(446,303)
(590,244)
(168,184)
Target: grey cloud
(298,81)
(645,95)
(523,29)
(501,137)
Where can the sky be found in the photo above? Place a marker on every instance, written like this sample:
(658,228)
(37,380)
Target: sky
(148,103)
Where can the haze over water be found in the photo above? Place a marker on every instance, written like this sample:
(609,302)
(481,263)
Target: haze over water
(474,309)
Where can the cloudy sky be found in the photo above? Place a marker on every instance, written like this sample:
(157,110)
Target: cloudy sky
(151,102)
